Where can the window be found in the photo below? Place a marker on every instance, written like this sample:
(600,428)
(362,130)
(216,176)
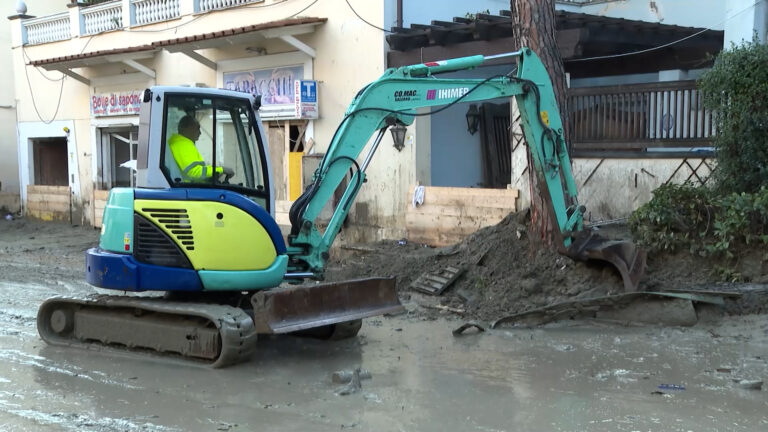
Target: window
(117,157)
(212,142)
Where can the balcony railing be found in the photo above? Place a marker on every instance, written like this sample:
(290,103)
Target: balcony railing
(103,17)
(209,5)
(47,29)
(114,15)
(152,11)
(639,117)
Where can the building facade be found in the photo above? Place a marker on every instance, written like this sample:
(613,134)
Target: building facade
(77,105)
(9,163)
(79,70)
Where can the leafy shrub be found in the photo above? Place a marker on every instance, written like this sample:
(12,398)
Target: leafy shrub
(736,89)
(674,217)
(701,220)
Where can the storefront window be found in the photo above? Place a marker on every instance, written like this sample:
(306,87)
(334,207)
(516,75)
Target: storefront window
(117,157)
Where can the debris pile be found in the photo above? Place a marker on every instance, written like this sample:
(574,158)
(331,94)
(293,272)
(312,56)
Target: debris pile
(504,271)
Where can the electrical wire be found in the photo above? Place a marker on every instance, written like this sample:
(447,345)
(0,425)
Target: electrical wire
(63,76)
(29,60)
(643,51)
(364,20)
(310,5)
(34,104)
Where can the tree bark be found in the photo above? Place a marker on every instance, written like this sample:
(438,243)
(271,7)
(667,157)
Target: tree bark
(535,28)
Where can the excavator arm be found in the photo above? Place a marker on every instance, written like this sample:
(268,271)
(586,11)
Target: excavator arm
(394,99)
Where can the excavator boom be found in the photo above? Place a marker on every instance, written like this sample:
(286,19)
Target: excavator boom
(395,97)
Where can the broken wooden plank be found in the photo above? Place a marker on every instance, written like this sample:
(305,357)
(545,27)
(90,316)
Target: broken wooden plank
(434,283)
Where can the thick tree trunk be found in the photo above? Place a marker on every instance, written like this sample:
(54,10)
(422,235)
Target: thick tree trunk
(535,28)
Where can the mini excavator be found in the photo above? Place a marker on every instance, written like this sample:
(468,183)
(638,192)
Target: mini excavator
(213,247)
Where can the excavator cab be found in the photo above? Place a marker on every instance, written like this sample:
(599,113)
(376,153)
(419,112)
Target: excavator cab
(224,148)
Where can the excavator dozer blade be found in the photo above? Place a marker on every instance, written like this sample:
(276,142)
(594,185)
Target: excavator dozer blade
(625,256)
(301,308)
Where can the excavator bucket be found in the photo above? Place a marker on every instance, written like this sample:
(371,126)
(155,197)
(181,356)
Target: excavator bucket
(301,308)
(625,256)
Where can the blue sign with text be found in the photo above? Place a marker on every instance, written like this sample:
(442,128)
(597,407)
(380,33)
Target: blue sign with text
(308,91)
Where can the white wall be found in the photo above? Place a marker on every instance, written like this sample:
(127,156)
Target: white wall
(748,19)
(9,162)
(613,188)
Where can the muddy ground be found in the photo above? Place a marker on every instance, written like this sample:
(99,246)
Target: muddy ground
(569,376)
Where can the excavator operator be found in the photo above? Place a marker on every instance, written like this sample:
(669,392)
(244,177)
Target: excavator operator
(186,155)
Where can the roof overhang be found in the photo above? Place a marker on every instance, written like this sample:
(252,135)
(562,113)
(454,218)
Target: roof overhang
(127,56)
(285,30)
(579,36)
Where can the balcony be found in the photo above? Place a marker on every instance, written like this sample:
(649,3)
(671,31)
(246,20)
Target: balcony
(83,20)
(640,120)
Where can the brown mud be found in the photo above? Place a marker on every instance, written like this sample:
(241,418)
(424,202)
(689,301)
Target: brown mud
(506,272)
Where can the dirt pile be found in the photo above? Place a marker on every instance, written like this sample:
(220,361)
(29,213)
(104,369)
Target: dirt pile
(505,272)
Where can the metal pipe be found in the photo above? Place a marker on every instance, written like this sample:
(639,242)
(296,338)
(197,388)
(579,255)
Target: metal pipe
(369,156)
(298,275)
(399,13)
(502,55)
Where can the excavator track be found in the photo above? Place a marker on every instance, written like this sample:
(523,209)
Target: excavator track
(210,334)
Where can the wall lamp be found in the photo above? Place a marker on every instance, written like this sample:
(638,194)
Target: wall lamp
(398,135)
(473,119)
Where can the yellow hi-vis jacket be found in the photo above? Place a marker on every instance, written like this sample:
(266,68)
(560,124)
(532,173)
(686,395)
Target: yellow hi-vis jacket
(189,160)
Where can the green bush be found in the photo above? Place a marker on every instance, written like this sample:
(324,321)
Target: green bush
(674,218)
(701,220)
(736,90)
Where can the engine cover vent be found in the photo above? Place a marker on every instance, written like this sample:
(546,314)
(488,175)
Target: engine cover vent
(153,246)
(177,222)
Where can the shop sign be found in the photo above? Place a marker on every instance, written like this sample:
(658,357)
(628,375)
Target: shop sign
(275,86)
(116,103)
(305,99)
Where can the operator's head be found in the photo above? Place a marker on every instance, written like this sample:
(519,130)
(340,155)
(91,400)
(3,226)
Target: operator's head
(189,127)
